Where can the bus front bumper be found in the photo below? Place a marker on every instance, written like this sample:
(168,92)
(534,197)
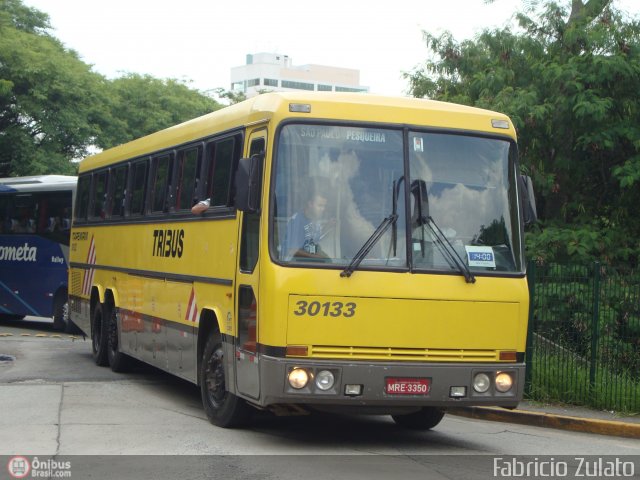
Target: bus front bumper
(390,384)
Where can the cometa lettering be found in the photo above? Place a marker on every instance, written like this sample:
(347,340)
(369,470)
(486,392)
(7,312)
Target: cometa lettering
(168,243)
(24,253)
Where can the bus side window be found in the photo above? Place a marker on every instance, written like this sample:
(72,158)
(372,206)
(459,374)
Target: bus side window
(138,184)
(54,210)
(117,191)
(5,218)
(97,207)
(82,198)
(160,186)
(188,170)
(221,156)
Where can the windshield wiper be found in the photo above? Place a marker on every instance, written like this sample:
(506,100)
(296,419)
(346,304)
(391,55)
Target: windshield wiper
(368,245)
(448,249)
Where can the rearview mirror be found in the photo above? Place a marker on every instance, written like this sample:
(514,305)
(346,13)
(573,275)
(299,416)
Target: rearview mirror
(528,199)
(248,182)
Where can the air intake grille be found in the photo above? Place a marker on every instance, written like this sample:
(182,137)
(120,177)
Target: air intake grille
(76,282)
(408,354)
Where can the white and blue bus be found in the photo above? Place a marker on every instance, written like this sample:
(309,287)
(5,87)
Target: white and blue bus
(35,221)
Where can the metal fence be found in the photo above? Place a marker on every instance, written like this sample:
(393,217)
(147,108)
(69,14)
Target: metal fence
(583,345)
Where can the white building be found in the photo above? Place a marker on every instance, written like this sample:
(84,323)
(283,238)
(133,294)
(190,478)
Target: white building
(276,73)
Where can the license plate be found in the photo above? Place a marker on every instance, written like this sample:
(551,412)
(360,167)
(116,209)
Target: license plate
(407,386)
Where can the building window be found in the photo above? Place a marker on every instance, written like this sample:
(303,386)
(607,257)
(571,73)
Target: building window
(270,82)
(324,88)
(297,85)
(254,82)
(348,89)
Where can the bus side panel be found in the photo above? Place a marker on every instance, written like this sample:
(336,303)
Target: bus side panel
(23,261)
(161,277)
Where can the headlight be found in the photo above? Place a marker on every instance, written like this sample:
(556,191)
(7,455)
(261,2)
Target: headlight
(481,382)
(324,380)
(298,378)
(504,382)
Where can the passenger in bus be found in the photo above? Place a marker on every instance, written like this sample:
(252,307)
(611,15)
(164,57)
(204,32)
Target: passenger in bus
(201,207)
(53,225)
(305,228)
(25,223)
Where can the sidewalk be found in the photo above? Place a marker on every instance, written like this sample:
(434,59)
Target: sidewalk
(566,417)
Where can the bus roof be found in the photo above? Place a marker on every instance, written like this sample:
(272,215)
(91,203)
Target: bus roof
(37,183)
(361,107)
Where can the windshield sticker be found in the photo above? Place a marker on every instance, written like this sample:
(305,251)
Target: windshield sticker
(478,256)
(417,144)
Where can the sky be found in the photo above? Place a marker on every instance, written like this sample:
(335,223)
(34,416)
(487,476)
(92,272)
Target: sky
(199,41)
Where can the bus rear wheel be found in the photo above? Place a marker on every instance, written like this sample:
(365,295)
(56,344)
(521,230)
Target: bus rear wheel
(99,336)
(223,408)
(424,419)
(118,361)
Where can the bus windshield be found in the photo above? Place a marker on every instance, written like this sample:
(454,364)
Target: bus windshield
(344,192)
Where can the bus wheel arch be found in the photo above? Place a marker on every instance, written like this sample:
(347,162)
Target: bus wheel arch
(223,408)
(98,329)
(208,325)
(118,361)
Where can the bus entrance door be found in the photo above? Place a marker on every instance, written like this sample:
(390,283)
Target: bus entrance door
(247,358)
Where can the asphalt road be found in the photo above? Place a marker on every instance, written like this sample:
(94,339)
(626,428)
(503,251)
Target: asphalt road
(55,403)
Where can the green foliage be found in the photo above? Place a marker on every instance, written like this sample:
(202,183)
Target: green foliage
(231,96)
(140,105)
(557,381)
(569,81)
(47,96)
(599,240)
(54,108)
(586,324)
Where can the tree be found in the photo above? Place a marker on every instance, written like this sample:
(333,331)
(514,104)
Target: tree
(54,108)
(569,80)
(48,97)
(231,96)
(140,105)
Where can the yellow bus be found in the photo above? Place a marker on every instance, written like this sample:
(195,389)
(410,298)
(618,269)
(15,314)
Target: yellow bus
(312,251)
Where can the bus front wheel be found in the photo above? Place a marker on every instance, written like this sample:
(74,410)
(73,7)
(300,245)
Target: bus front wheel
(99,336)
(424,419)
(223,408)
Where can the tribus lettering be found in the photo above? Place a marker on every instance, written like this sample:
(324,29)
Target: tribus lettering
(168,243)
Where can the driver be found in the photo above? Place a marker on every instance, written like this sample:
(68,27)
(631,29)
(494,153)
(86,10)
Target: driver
(304,229)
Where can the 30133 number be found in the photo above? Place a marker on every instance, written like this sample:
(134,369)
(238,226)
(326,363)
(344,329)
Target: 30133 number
(325,309)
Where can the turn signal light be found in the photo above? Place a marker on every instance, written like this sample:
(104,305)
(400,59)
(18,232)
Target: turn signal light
(297,351)
(508,356)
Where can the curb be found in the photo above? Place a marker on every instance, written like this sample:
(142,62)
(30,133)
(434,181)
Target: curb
(549,420)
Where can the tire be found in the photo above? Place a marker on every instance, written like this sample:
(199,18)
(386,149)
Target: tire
(99,336)
(118,361)
(424,419)
(223,409)
(61,320)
